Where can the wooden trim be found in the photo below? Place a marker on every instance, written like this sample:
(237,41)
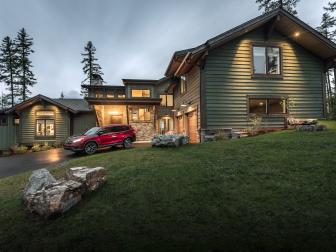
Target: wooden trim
(203,109)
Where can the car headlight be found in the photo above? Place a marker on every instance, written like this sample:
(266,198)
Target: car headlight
(77,140)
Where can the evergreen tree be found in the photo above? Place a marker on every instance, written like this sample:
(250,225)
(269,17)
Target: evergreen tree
(62,95)
(8,67)
(327,26)
(90,68)
(4,101)
(26,79)
(269,5)
(331,6)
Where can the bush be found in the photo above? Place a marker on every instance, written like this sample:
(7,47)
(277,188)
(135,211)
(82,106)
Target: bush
(36,148)
(46,146)
(256,122)
(57,144)
(19,149)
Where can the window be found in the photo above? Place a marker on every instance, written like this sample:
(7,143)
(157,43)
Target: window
(266,60)
(45,127)
(121,96)
(119,128)
(3,121)
(183,85)
(45,113)
(99,95)
(140,93)
(141,114)
(167,100)
(267,106)
(110,95)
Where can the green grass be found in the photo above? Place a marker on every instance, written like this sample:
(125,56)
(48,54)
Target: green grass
(267,193)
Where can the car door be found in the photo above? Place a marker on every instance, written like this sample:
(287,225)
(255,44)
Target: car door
(106,137)
(117,134)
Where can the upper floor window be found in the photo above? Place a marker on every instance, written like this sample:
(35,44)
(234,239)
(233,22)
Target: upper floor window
(167,100)
(266,60)
(183,85)
(99,95)
(121,96)
(267,106)
(140,93)
(110,95)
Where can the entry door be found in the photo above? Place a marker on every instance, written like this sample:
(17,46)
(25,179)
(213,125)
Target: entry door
(180,127)
(192,127)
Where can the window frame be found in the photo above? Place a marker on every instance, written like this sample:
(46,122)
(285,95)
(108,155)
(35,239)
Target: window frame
(183,79)
(6,120)
(138,113)
(141,89)
(45,128)
(266,98)
(166,100)
(266,75)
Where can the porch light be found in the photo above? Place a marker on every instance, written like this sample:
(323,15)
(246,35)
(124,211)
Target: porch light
(296,34)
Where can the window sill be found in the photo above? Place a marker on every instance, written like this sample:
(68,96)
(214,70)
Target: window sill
(268,115)
(267,76)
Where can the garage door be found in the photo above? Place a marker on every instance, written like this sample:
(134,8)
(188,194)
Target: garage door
(192,127)
(180,124)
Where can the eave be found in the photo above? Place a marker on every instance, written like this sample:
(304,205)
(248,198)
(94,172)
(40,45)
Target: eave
(123,101)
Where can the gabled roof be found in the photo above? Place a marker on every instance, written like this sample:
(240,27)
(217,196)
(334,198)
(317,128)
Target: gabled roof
(279,19)
(79,105)
(71,105)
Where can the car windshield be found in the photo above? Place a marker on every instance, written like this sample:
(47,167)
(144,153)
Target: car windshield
(92,131)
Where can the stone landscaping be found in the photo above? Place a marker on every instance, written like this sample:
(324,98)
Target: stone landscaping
(169,140)
(48,197)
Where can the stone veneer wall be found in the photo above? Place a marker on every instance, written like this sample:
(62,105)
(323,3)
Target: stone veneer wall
(144,130)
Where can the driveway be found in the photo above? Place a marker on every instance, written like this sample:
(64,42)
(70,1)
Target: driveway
(31,161)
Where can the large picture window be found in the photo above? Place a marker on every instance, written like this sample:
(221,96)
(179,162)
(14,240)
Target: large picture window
(141,93)
(45,127)
(167,100)
(268,106)
(140,114)
(266,60)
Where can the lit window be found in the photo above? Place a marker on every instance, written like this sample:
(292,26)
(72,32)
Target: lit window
(267,106)
(110,95)
(266,60)
(99,95)
(45,127)
(183,85)
(45,113)
(121,96)
(140,93)
(167,100)
(141,114)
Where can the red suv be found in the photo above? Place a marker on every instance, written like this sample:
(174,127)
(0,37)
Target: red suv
(100,137)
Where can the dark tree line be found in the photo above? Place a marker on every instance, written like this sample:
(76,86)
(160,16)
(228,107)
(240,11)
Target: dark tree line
(16,68)
(269,5)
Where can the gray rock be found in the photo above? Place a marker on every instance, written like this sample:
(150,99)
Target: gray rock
(172,140)
(37,181)
(54,199)
(89,178)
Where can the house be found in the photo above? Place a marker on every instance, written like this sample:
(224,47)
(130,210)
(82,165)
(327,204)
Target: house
(42,119)
(257,68)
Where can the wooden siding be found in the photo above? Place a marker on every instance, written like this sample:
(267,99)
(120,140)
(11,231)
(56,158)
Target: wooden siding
(190,97)
(83,121)
(28,124)
(228,82)
(8,134)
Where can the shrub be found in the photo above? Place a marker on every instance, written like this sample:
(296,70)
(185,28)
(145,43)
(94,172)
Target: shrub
(36,147)
(256,124)
(19,149)
(46,146)
(57,144)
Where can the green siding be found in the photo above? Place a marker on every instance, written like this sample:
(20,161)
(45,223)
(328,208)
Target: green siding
(228,82)
(28,124)
(83,121)
(8,134)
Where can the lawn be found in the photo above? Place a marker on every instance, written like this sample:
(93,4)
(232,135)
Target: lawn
(274,192)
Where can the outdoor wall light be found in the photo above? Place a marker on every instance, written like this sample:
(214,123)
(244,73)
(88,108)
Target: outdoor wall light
(296,34)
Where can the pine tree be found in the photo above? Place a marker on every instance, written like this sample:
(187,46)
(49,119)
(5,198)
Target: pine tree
(90,68)
(331,6)
(62,95)
(4,101)
(26,77)
(8,67)
(269,5)
(327,26)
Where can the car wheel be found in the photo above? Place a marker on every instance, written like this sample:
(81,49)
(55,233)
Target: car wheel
(90,148)
(127,143)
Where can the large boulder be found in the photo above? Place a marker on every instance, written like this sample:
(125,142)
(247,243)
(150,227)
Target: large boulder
(315,127)
(37,181)
(90,178)
(54,199)
(169,140)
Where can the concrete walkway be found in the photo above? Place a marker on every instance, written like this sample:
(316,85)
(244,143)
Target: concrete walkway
(31,161)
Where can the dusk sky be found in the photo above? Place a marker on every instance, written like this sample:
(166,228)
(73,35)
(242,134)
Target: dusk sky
(134,39)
